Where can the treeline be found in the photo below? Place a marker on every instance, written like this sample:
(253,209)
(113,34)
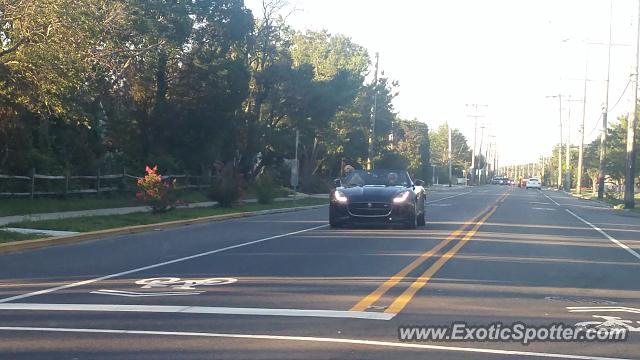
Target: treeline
(113,84)
(615,159)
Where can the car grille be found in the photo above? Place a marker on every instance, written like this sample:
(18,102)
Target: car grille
(370,209)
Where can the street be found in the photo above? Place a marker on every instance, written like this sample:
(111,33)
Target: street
(285,286)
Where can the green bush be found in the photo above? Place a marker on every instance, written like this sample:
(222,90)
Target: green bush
(265,188)
(316,185)
(226,188)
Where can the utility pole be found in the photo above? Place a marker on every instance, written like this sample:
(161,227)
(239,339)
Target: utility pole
(374,109)
(475,117)
(632,123)
(486,161)
(480,151)
(449,152)
(567,162)
(584,114)
(559,96)
(567,176)
(605,113)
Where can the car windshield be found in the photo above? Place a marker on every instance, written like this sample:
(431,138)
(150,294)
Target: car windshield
(377,178)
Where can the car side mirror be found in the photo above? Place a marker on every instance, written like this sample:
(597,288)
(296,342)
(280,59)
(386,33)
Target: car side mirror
(419,182)
(337,183)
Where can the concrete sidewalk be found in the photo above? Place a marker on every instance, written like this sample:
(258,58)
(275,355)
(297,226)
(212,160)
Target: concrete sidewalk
(127,210)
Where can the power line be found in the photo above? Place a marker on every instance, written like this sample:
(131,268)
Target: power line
(617,102)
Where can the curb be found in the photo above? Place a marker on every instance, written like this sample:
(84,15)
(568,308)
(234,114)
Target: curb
(96,235)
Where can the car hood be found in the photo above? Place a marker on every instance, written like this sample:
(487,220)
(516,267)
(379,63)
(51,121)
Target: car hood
(372,193)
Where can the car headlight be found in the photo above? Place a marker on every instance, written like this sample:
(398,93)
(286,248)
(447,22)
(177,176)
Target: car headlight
(400,198)
(340,197)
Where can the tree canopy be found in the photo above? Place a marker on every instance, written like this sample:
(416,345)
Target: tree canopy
(107,84)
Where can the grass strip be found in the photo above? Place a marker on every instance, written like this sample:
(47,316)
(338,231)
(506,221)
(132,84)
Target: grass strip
(94,223)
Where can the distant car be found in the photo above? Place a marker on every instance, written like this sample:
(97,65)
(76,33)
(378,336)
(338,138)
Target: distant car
(497,180)
(533,183)
(377,197)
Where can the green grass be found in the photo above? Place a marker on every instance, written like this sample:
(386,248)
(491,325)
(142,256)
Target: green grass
(7,236)
(23,206)
(93,223)
(608,198)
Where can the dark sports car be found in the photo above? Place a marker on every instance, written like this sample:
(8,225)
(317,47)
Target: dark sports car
(378,197)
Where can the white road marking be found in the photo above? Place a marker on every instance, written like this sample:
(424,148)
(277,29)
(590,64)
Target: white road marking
(603,309)
(547,209)
(106,277)
(539,203)
(628,249)
(614,240)
(200,310)
(183,284)
(141,294)
(555,202)
(447,197)
(382,344)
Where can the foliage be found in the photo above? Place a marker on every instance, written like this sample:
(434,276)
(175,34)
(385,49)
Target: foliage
(160,194)
(264,188)
(460,151)
(226,188)
(411,138)
(107,84)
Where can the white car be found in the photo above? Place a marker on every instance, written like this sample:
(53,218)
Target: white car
(534,183)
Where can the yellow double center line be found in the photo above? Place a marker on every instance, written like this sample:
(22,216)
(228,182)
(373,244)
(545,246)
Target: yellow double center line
(401,301)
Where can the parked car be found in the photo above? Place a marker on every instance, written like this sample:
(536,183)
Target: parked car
(377,197)
(533,183)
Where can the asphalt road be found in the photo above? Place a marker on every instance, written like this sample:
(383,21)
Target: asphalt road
(285,286)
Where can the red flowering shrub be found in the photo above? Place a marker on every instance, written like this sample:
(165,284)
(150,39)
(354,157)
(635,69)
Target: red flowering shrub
(160,194)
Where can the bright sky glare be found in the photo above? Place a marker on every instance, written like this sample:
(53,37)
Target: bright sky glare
(507,54)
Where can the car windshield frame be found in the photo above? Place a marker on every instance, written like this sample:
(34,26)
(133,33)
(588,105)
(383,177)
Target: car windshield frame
(377,178)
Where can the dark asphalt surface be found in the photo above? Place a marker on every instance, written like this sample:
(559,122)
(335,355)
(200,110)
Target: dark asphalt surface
(529,262)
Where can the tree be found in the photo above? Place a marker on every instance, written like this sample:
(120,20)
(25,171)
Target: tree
(460,151)
(411,139)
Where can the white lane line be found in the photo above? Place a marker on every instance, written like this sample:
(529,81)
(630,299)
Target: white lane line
(213,310)
(546,209)
(448,197)
(614,240)
(555,202)
(628,249)
(106,277)
(603,309)
(387,344)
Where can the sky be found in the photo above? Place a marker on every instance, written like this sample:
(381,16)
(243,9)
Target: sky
(509,55)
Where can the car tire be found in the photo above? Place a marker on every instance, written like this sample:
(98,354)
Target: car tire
(333,224)
(412,223)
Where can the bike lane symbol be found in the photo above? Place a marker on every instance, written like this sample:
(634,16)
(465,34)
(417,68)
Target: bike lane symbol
(180,287)
(183,284)
(605,321)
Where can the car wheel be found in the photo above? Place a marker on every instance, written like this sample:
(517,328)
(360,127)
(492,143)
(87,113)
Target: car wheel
(333,223)
(412,223)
